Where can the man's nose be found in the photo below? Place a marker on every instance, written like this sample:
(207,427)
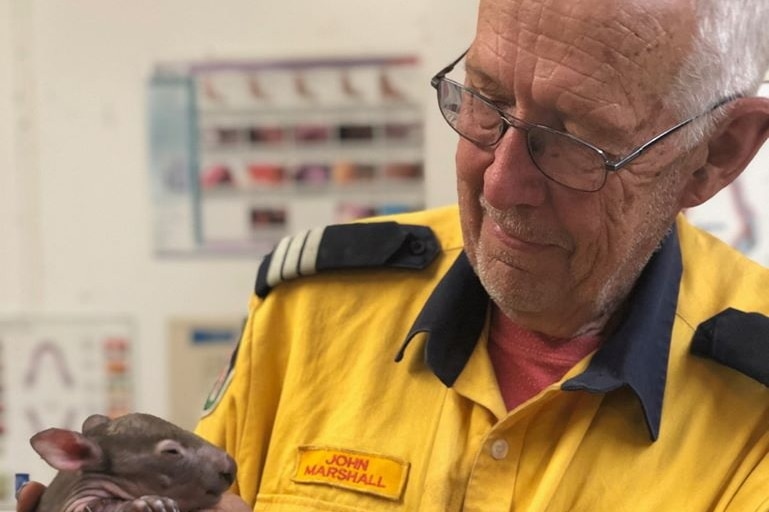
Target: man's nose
(512,178)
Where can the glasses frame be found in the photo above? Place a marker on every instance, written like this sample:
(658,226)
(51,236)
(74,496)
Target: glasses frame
(611,162)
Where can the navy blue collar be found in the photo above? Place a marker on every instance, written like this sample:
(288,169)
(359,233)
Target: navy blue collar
(635,355)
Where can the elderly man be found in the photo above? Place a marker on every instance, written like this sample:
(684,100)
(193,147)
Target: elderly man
(565,341)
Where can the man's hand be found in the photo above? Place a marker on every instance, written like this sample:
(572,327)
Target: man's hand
(230,502)
(29,496)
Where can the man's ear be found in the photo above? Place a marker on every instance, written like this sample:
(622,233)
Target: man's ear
(730,149)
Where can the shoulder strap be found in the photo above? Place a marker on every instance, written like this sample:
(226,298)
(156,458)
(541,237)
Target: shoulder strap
(738,340)
(347,246)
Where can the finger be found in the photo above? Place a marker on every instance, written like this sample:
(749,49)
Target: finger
(139,505)
(29,496)
(232,503)
(157,504)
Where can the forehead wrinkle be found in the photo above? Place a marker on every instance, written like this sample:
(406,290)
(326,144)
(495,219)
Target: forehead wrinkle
(582,96)
(573,92)
(545,84)
(492,71)
(502,43)
(612,61)
(609,54)
(604,46)
(558,66)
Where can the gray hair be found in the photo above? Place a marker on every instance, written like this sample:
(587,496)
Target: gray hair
(730,55)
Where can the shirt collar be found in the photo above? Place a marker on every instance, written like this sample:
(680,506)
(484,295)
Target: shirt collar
(453,317)
(635,355)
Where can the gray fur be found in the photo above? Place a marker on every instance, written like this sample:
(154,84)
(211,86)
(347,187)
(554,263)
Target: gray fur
(137,462)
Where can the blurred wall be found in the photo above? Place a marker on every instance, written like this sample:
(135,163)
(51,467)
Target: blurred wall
(75,211)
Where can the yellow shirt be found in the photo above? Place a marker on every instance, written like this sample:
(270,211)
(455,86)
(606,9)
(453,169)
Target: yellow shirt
(319,416)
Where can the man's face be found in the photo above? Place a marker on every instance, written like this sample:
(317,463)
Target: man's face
(557,260)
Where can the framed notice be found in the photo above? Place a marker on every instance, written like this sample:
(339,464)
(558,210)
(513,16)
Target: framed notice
(55,373)
(199,354)
(243,153)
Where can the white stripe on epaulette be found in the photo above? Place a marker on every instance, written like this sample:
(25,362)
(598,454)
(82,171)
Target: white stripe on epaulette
(276,263)
(290,268)
(310,252)
(295,256)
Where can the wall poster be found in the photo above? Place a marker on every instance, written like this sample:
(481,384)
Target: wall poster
(55,372)
(199,353)
(243,153)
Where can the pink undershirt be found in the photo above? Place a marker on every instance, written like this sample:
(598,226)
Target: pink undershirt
(526,362)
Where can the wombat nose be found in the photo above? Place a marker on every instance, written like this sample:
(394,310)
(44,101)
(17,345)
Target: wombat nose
(227,470)
(227,477)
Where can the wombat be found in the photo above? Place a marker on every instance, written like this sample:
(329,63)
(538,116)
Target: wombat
(137,462)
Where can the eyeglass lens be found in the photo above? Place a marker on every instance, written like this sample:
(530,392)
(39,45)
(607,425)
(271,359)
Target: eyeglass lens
(556,155)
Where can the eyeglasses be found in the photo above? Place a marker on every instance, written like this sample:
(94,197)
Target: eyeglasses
(564,158)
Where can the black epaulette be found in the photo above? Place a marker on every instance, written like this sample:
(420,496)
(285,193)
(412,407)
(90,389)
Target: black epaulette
(347,246)
(738,340)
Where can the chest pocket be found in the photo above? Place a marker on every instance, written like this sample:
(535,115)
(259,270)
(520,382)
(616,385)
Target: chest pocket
(285,503)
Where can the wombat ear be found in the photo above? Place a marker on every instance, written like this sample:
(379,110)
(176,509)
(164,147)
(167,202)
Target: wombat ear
(66,450)
(94,420)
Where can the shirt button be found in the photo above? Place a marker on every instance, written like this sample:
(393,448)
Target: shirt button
(499,449)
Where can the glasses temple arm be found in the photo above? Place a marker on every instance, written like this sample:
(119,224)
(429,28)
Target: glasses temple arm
(614,166)
(445,71)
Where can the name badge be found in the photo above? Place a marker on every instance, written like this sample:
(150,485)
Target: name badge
(356,471)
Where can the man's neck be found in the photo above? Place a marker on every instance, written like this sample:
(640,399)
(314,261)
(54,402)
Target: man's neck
(525,362)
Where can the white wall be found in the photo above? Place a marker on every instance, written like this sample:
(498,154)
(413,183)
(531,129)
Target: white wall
(75,217)
(17,193)
(7,113)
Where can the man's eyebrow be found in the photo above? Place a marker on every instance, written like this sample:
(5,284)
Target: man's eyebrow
(489,84)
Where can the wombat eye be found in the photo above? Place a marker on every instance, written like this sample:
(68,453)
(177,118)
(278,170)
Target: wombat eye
(170,448)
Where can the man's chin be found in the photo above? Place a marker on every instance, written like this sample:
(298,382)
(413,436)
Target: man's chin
(513,288)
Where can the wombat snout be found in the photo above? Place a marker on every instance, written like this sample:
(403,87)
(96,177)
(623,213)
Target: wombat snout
(227,471)
(221,463)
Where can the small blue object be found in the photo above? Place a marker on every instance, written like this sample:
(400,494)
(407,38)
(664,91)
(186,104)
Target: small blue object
(19,480)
